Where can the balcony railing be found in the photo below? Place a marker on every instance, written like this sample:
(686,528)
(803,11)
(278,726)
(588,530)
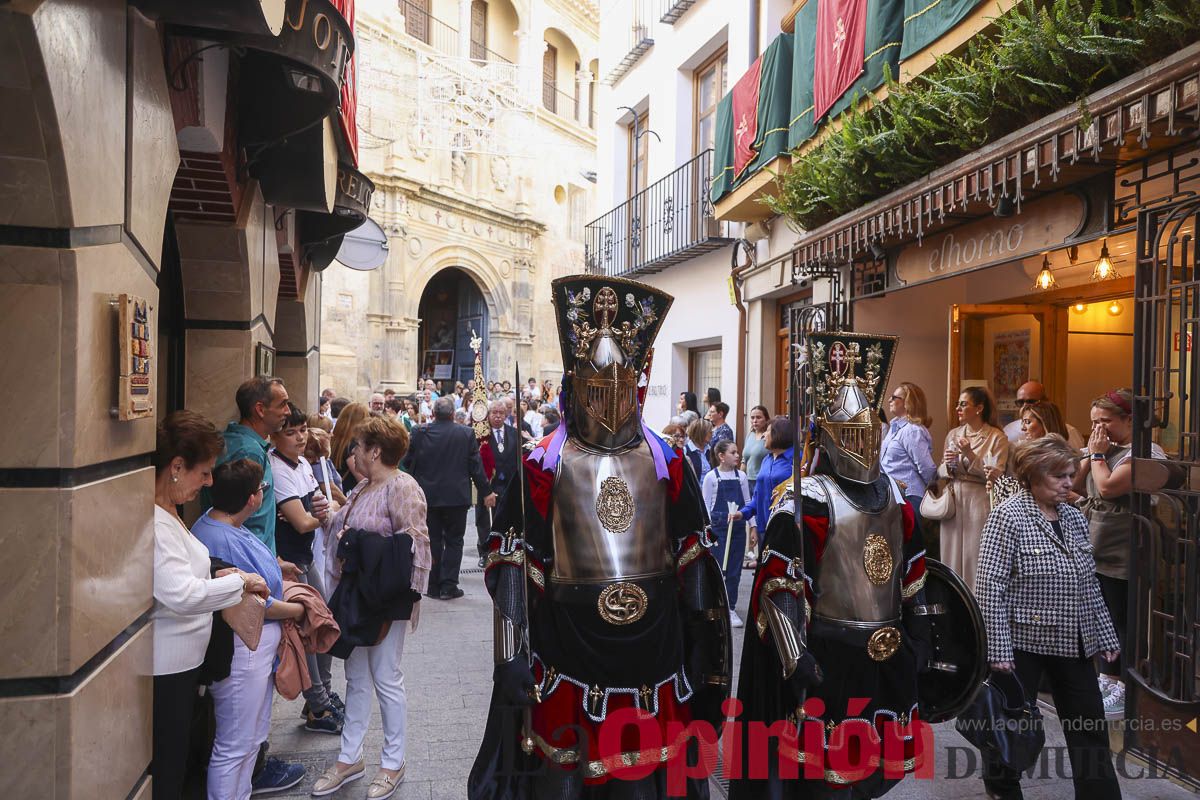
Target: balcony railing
(672,10)
(640,38)
(669,221)
(565,105)
(442,36)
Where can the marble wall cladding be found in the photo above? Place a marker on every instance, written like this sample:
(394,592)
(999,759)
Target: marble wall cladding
(31,308)
(293,327)
(217,362)
(92,743)
(151,151)
(300,375)
(80,97)
(94,275)
(81,569)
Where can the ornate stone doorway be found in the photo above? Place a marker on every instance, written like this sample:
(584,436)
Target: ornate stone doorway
(451,308)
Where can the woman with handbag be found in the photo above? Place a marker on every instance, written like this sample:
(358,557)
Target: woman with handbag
(1044,614)
(970,449)
(387,502)
(907,446)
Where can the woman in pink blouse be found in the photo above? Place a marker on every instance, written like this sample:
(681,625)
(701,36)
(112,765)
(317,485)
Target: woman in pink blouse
(387,502)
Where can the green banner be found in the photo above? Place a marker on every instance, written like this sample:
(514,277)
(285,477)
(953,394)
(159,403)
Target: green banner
(885,27)
(802,126)
(774,113)
(927,20)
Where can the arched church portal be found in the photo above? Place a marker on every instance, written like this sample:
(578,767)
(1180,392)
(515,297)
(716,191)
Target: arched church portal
(451,308)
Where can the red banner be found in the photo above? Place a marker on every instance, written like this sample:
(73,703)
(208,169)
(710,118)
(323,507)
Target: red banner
(348,113)
(745,117)
(838,60)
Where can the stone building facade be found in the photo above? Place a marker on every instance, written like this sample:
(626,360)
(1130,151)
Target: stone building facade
(481,144)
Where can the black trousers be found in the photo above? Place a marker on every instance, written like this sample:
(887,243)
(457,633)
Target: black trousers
(483,528)
(174,698)
(1116,596)
(1081,711)
(447,526)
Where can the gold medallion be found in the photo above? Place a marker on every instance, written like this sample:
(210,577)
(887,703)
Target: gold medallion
(622,603)
(883,643)
(877,559)
(614,505)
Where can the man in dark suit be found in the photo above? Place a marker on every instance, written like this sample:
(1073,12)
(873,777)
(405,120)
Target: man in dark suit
(444,459)
(499,451)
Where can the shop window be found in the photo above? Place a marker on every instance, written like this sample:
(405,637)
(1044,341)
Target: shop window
(711,80)
(704,368)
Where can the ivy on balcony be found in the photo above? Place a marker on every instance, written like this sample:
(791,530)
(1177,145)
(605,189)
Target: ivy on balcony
(1041,58)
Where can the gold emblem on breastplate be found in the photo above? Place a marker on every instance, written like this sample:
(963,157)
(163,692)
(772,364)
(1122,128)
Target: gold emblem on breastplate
(877,559)
(883,643)
(614,505)
(622,603)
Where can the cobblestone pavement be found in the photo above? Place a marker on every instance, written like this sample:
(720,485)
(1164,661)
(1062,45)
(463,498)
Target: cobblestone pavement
(447,669)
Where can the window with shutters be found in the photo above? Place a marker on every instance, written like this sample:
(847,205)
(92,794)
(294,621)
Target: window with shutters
(416,18)
(549,78)
(479,13)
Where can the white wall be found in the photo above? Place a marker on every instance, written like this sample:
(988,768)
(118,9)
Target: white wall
(701,315)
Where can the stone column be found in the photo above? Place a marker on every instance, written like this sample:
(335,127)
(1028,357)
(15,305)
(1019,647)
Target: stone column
(584,88)
(530,48)
(464,28)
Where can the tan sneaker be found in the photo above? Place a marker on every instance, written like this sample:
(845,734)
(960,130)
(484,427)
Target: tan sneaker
(332,779)
(384,785)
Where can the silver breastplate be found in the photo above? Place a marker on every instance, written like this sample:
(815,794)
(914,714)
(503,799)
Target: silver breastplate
(862,568)
(610,517)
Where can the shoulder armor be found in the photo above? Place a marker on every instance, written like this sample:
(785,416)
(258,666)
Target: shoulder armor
(814,489)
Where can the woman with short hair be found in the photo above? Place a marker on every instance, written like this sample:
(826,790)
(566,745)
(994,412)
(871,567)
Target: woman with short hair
(699,436)
(387,502)
(907,446)
(976,444)
(1044,613)
(776,468)
(185,594)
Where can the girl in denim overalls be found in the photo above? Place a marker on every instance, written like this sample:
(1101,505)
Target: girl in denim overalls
(724,485)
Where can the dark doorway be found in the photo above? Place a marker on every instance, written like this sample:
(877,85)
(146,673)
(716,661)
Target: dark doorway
(451,308)
(171,330)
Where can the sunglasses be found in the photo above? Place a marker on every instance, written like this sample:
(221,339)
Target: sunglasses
(1027,402)
(897,397)
(262,487)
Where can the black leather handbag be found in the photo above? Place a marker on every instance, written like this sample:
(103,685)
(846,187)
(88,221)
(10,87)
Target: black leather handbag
(1000,721)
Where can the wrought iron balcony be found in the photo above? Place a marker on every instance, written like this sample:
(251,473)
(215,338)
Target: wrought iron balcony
(641,38)
(669,221)
(672,10)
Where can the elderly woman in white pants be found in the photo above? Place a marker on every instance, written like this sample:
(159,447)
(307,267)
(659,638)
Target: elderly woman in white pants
(387,502)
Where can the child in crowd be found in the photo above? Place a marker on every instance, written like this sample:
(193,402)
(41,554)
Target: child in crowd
(724,488)
(242,701)
(302,509)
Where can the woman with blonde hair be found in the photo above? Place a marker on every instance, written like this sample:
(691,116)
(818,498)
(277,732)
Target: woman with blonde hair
(971,448)
(907,446)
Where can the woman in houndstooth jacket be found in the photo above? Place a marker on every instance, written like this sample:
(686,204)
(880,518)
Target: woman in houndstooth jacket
(1044,614)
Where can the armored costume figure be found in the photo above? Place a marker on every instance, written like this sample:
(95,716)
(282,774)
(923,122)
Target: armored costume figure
(606,597)
(842,627)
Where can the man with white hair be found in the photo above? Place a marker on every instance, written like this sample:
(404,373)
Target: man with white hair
(498,451)
(376,403)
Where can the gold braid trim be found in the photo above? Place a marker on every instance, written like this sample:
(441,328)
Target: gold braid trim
(690,555)
(537,576)
(601,767)
(516,557)
(833,776)
(914,587)
(790,585)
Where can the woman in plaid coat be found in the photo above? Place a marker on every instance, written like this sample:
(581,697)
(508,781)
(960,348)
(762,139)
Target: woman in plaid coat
(1044,614)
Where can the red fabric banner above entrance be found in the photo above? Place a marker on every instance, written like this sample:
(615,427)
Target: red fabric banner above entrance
(841,34)
(745,116)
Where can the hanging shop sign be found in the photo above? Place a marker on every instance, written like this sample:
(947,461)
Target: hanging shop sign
(321,235)
(257,17)
(135,372)
(1042,225)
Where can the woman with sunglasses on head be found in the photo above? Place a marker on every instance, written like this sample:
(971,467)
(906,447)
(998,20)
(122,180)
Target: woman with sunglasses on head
(971,448)
(1105,479)
(907,446)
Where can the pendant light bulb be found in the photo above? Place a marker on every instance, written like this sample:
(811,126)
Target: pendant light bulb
(1080,307)
(1045,279)
(1115,308)
(1104,269)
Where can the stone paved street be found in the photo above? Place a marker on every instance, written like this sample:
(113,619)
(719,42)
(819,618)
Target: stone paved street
(447,668)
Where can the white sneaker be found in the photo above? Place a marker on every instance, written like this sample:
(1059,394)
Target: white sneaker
(1114,702)
(734,620)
